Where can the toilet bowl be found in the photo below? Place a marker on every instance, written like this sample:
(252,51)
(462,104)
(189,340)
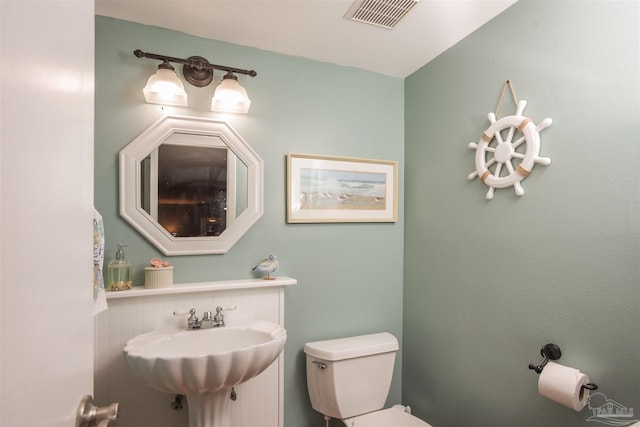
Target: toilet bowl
(349,379)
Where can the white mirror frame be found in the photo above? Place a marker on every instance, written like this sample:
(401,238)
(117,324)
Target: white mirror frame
(130,185)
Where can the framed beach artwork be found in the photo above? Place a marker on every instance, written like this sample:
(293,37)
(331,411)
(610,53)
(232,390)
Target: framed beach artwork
(341,189)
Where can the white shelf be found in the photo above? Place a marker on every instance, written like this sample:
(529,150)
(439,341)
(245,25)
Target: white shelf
(184,288)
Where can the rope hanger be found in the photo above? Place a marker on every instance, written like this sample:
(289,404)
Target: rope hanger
(513,93)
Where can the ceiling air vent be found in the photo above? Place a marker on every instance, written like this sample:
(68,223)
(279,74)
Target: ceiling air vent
(382,13)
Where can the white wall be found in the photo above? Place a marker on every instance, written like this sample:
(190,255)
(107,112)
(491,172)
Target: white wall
(46,188)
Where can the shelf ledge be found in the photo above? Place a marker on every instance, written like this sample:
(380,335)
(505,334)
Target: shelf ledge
(185,288)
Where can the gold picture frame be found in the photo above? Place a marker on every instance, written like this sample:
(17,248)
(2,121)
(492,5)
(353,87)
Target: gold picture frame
(341,189)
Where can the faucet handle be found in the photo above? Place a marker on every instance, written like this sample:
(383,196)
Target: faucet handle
(220,309)
(192,321)
(184,312)
(219,317)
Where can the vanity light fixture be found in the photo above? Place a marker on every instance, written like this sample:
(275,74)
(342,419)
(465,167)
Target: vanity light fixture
(166,88)
(230,96)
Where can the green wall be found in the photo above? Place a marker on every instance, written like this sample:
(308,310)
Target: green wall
(349,275)
(488,283)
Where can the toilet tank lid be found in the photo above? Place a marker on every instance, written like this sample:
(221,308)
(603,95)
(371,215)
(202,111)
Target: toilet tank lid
(350,347)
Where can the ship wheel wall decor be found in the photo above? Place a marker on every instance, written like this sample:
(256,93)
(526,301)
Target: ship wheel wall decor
(500,163)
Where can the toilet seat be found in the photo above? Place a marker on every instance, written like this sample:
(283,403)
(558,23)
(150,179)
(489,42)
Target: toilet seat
(391,417)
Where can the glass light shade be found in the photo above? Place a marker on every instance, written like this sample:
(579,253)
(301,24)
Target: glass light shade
(164,87)
(230,97)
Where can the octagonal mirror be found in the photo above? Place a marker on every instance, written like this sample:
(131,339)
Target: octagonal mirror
(191,185)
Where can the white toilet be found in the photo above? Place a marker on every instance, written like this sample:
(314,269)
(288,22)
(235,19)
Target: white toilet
(349,379)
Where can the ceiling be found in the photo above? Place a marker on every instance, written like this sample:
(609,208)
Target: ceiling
(316,29)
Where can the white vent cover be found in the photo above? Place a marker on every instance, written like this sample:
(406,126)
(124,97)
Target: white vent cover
(383,13)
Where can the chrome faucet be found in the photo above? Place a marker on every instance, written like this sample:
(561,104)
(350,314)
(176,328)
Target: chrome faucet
(208,321)
(212,322)
(218,319)
(192,321)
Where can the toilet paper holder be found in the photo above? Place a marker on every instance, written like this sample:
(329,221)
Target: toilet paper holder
(549,352)
(552,352)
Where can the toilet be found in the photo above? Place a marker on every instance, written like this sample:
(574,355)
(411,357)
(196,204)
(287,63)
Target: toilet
(349,379)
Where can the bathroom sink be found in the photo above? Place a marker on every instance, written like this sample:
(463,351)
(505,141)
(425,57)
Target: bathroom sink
(204,361)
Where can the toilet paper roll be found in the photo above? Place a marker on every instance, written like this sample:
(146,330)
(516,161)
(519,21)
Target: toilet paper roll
(563,384)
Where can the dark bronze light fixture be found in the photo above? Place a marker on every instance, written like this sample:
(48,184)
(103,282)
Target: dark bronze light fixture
(166,88)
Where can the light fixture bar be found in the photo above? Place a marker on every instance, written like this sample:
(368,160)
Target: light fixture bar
(166,88)
(195,62)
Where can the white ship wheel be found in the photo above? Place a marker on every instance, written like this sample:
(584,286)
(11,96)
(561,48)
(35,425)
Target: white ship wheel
(495,151)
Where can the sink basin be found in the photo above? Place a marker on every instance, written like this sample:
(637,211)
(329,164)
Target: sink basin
(204,364)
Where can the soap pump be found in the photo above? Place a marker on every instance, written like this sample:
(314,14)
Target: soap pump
(119,272)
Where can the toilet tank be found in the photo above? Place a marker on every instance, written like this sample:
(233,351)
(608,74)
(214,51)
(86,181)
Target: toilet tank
(350,376)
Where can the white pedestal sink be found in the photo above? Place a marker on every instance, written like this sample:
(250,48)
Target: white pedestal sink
(204,364)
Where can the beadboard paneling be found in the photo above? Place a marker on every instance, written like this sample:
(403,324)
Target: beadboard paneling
(260,400)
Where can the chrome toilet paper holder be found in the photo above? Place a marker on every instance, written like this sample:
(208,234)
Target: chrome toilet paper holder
(552,352)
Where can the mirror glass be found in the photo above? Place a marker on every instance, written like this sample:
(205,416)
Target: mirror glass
(190,185)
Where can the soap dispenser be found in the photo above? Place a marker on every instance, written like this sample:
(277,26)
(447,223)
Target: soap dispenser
(119,272)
